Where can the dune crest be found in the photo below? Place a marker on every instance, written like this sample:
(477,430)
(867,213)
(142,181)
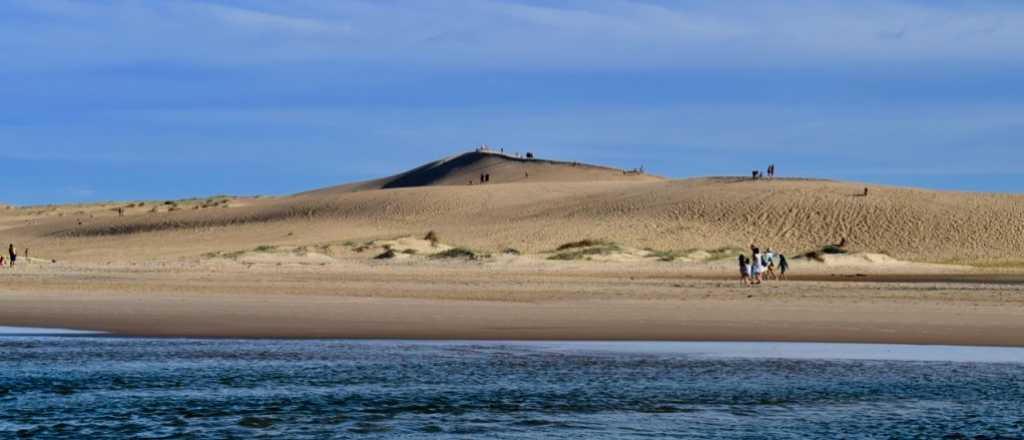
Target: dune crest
(467,168)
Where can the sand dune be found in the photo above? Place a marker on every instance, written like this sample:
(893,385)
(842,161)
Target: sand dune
(560,202)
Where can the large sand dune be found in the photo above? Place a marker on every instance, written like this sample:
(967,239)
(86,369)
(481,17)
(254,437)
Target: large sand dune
(559,202)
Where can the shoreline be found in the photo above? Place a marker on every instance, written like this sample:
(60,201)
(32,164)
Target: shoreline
(703,349)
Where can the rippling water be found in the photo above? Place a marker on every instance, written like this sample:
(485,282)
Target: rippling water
(117,388)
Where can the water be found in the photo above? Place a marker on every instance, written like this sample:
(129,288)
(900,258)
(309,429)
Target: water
(120,388)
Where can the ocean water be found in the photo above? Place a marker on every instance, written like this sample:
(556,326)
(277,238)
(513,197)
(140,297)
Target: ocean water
(89,387)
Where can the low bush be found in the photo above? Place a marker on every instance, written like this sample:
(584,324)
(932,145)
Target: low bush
(833,249)
(582,244)
(386,255)
(586,252)
(455,253)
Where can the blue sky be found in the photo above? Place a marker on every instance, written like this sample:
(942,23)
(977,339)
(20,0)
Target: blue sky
(126,99)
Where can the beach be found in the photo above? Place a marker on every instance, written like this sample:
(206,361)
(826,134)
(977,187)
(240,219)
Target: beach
(582,301)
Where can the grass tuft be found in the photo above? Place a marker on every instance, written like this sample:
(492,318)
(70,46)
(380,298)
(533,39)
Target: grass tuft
(582,244)
(577,253)
(833,249)
(386,255)
(458,252)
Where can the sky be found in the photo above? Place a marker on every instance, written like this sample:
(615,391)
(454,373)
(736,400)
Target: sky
(163,99)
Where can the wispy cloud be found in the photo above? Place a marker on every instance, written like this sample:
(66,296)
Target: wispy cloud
(509,34)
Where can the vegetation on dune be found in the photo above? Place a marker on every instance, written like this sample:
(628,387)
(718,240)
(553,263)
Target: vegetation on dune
(458,252)
(386,255)
(583,244)
(668,256)
(584,253)
(833,249)
(723,253)
(819,255)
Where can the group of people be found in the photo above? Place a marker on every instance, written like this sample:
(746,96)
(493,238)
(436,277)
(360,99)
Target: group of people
(757,174)
(489,149)
(762,266)
(12,252)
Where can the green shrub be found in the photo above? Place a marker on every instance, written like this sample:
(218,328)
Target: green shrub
(582,244)
(723,253)
(455,253)
(387,255)
(586,253)
(667,256)
(833,249)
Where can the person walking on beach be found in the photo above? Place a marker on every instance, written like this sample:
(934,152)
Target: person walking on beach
(13,253)
(769,264)
(758,266)
(744,270)
(783,266)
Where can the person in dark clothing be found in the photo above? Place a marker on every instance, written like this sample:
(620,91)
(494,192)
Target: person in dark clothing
(744,270)
(13,253)
(783,267)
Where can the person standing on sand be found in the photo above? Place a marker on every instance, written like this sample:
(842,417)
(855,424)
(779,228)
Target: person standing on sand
(783,266)
(758,267)
(750,270)
(744,270)
(769,264)
(13,253)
